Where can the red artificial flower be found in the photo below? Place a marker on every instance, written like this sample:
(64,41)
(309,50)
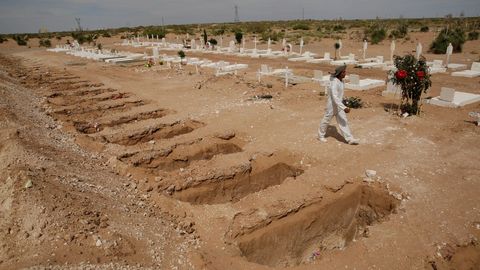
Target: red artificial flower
(420,74)
(401,74)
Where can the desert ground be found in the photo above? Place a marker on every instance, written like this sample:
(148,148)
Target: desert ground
(106,167)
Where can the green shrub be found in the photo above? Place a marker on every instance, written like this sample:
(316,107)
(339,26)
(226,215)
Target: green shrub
(301,26)
(375,34)
(424,29)
(378,36)
(106,34)
(256,27)
(45,43)
(219,31)
(80,37)
(21,40)
(273,35)
(400,32)
(3,39)
(338,28)
(473,35)
(455,36)
(155,30)
(176,29)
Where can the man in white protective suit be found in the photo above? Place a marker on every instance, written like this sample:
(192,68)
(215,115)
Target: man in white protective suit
(336,108)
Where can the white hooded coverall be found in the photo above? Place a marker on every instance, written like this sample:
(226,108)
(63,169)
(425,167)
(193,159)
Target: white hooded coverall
(335,107)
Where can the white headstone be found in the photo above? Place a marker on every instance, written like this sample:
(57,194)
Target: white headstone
(392,50)
(475,66)
(340,48)
(447,94)
(231,46)
(449,52)
(419,50)
(301,45)
(269,43)
(155,53)
(365,46)
(354,79)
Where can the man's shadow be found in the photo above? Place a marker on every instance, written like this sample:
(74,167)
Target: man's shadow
(332,132)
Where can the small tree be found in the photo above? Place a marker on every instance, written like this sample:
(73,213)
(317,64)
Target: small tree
(455,36)
(181,54)
(213,42)
(413,77)
(238,37)
(205,37)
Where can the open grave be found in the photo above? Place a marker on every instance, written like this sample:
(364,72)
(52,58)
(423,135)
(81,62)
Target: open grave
(231,183)
(329,224)
(99,124)
(158,131)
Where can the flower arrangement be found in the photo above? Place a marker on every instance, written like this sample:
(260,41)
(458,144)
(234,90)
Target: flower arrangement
(413,77)
(150,63)
(353,102)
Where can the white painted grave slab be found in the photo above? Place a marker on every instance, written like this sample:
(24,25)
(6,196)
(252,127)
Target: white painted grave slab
(453,99)
(473,72)
(357,84)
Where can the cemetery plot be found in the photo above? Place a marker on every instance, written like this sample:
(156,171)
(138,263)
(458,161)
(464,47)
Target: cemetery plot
(83,113)
(156,132)
(331,223)
(181,155)
(231,178)
(72,96)
(69,100)
(99,124)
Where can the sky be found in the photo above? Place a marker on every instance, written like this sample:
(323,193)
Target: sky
(28,16)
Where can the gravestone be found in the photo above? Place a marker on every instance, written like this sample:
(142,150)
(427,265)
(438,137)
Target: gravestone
(447,94)
(354,79)
(231,46)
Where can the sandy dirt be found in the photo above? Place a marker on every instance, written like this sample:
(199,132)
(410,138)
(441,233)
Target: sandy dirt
(106,167)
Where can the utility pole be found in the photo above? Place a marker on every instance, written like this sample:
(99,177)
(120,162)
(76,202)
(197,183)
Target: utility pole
(237,19)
